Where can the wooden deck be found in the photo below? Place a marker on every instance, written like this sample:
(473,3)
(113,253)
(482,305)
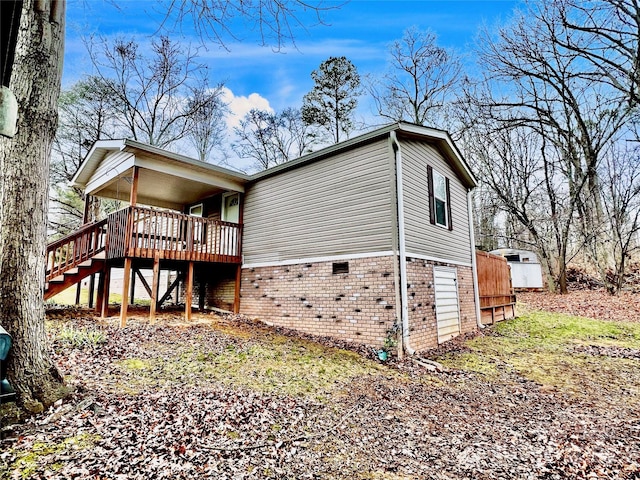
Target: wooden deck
(140,232)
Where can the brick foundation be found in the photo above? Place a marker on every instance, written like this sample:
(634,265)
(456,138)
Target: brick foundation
(356,306)
(421,305)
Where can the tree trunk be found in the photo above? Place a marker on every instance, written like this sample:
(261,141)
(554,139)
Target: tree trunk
(24,166)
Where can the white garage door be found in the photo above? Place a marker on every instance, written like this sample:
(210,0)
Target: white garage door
(447,307)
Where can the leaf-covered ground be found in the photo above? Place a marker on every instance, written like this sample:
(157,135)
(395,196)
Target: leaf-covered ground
(544,396)
(624,307)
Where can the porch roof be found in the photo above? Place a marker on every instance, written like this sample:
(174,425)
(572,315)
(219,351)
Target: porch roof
(166,179)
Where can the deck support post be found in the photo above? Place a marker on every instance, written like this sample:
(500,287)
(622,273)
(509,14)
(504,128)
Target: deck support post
(236,296)
(92,287)
(132,290)
(125,292)
(103,291)
(78,291)
(189,293)
(133,197)
(85,213)
(154,288)
(100,295)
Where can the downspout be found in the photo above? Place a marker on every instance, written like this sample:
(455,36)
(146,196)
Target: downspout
(474,264)
(402,280)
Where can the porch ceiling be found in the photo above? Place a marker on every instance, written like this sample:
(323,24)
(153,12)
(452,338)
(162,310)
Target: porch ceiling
(157,189)
(165,179)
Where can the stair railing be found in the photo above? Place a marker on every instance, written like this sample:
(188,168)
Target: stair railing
(75,248)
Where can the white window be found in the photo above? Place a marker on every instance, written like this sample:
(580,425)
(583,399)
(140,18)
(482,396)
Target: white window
(440,199)
(196,210)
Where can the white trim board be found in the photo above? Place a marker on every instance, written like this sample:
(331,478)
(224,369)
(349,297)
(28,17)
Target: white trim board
(440,260)
(333,258)
(355,256)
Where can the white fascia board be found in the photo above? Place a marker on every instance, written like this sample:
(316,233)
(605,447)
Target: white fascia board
(438,260)
(328,258)
(189,174)
(96,183)
(156,151)
(99,150)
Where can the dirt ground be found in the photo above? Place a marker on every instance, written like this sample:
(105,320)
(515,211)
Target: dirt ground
(225,398)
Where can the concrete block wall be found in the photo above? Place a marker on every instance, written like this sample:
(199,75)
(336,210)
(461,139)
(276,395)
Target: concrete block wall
(219,282)
(356,306)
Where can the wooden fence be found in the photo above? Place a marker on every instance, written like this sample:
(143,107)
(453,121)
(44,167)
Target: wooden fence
(497,300)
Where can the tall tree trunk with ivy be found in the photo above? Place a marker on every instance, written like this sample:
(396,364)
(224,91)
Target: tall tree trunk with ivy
(24,166)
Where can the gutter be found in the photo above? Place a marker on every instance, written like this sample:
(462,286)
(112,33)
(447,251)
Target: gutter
(474,264)
(402,250)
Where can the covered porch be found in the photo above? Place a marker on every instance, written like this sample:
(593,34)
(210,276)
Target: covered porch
(181,215)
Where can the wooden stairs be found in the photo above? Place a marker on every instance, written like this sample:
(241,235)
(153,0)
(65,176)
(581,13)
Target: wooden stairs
(75,257)
(73,276)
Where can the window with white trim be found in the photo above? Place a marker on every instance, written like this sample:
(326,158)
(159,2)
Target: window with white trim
(196,210)
(439,199)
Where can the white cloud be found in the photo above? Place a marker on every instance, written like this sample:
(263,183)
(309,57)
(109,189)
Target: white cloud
(239,106)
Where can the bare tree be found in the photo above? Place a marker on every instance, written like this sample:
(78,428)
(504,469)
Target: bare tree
(420,81)
(275,21)
(85,115)
(621,199)
(611,33)
(332,100)
(521,169)
(155,99)
(273,138)
(296,137)
(207,124)
(555,93)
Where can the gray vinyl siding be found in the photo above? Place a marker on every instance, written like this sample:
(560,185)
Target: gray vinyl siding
(334,206)
(421,236)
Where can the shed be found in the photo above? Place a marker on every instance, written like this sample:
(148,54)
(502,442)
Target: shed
(526,271)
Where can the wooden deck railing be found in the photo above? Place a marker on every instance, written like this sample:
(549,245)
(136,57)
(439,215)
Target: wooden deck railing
(145,233)
(75,248)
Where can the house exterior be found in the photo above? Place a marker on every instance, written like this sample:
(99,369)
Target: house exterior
(367,237)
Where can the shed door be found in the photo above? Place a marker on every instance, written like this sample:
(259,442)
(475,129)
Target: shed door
(445,281)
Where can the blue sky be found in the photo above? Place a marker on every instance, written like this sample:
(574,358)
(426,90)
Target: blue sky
(359,30)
